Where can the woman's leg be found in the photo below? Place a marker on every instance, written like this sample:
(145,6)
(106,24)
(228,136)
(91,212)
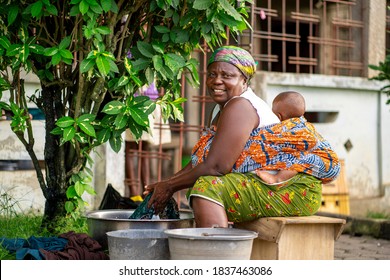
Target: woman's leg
(208,213)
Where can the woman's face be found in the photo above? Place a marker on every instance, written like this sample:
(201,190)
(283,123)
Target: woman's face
(224,81)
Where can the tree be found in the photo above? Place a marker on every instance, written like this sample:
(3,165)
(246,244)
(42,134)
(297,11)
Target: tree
(91,57)
(383,69)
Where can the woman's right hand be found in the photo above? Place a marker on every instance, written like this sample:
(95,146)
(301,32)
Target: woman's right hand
(161,193)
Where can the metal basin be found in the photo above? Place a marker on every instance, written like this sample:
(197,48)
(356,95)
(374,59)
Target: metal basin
(102,221)
(138,244)
(210,243)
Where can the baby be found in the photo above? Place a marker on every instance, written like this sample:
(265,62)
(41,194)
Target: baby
(286,105)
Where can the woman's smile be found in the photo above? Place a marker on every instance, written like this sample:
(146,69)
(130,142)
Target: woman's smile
(224,81)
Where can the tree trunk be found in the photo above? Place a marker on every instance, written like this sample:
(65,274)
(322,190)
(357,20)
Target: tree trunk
(56,182)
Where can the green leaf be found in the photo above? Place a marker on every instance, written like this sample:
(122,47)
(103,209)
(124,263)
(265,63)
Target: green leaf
(66,54)
(89,189)
(178,113)
(103,65)
(87,128)
(81,138)
(174,61)
(103,30)
(182,36)
(149,73)
(121,121)
(135,129)
(227,19)
(65,122)
(65,43)
(24,53)
(139,117)
(136,80)
(69,133)
(162,29)
(36,49)
(106,5)
(139,100)
(103,135)
(158,62)
(14,50)
(56,59)
(96,9)
(51,9)
(4,42)
(230,10)
(202,4)
(86,118)
(113,67)
(114,7)
(36,9)
(12,14)
(116,143)
(70,192)
(56,131)
(140,64)
(124,80)
(50,51)
(86,64)
(74,11)
(150,108)
(113,107)
(145,49)
(84,7)
(79,188)
(69,206)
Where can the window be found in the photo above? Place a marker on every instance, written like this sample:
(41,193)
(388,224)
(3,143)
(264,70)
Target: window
(307,36)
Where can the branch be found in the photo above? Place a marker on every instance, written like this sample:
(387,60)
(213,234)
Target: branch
(33,156)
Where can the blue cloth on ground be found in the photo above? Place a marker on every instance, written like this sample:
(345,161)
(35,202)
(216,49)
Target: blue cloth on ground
(28,249)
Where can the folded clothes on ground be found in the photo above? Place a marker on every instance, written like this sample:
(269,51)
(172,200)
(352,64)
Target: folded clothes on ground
(68,246)
(28,249)
(80,246)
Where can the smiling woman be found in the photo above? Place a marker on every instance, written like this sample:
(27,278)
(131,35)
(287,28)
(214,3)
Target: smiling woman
(218,192)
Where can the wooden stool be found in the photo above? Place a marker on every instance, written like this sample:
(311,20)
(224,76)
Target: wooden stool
(294,238)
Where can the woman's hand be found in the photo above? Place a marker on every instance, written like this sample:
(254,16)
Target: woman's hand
(160,197)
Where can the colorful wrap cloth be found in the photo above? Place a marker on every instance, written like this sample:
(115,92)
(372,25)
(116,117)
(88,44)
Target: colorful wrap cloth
(245,197)
(293,144)
(236,56)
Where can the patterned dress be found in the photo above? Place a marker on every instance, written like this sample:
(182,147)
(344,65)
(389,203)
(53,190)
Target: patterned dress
(293,144)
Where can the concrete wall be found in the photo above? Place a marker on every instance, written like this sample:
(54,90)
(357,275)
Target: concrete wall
(20,187)
(361,118)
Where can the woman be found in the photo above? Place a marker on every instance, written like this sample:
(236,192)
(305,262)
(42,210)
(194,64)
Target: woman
(216,194)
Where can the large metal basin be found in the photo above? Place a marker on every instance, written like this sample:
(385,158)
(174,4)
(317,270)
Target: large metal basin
(210,243)
(138,244)
(102,221)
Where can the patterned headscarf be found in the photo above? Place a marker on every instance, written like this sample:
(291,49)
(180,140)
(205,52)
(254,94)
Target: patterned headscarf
(236,56)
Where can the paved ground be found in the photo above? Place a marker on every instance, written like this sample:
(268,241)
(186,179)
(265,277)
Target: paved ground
(349,247)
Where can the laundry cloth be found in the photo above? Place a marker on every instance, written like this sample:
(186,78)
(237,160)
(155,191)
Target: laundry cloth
(143,212)
(28,249)
(79,246)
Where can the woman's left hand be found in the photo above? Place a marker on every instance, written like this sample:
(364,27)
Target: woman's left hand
(160,197)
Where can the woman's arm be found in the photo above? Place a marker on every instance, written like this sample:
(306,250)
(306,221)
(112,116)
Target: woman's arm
(236,122)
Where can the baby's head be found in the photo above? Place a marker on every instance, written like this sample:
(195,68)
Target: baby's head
(288,104)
